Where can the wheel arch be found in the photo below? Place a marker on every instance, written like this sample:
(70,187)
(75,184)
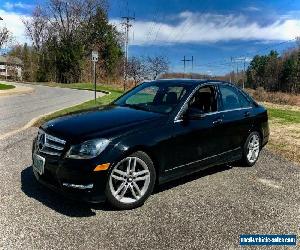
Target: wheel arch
(258,129)
(147,150)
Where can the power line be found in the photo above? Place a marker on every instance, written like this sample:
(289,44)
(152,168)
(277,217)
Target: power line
(153,27)
(225,63)
(127,24)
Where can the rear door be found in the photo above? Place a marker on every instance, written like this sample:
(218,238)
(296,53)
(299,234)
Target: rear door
(237,116)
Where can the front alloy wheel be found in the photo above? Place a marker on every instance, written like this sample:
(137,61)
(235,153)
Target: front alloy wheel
(131,181)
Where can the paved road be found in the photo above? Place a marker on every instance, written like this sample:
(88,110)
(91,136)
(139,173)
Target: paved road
(207,211)
(17,110)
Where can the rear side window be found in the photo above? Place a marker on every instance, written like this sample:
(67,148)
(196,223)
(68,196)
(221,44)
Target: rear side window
(245,103)
(232,98)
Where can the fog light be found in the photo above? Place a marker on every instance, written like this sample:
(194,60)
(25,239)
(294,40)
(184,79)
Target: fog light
(70,185)
(102,167)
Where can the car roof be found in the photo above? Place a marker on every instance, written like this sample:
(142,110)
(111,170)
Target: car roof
(191,82)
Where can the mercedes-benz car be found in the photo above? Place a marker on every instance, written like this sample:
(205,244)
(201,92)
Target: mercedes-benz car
(156,132)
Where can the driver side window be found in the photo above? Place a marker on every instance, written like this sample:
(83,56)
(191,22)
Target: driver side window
(204,100)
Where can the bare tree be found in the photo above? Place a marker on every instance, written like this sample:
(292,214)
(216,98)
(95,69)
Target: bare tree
(136,69)
(5,36)
(157,65)
(37,28)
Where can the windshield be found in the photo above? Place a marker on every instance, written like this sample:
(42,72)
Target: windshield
(154,97)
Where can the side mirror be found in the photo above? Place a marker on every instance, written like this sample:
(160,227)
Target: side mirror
(194,114)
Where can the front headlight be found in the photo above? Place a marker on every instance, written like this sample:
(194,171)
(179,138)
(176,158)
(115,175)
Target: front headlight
(88,149)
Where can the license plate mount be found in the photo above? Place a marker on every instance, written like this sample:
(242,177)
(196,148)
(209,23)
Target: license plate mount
(38,163)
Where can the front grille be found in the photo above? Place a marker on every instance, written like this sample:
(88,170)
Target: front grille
(49,144)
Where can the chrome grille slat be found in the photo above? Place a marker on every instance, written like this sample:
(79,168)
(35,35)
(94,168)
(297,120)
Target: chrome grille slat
(50,152)
(55,139)
(53,146)
(49,144)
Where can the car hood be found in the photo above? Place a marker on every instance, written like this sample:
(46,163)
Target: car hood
(106,121)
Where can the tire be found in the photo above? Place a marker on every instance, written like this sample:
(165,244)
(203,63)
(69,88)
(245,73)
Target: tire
(251,149)
(128,188)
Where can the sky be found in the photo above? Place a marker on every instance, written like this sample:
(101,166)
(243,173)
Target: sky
(212,32)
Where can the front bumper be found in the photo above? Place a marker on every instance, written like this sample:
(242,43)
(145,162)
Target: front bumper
(59,171)
(94,195)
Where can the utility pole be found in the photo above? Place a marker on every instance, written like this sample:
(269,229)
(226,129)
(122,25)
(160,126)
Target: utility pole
(184,60)
(244,80)
(230,69)
(127,24)
(192,64)
(192,67)
(237,72)
(237,60)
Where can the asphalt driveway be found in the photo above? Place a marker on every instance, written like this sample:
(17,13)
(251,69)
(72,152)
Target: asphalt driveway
(206,211)
(17,110)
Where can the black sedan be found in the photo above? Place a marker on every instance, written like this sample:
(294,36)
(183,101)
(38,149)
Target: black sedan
(156,132)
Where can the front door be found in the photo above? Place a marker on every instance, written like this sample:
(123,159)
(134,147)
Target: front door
(197,142)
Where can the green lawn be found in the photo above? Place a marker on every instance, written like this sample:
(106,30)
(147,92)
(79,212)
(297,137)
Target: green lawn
(284,116)
(108,98)
(6,86)
(87,86)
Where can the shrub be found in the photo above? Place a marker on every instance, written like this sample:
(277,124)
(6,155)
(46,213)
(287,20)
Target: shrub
(274,97)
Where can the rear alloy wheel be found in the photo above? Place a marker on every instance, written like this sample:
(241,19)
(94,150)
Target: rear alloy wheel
(131,181)
(251,149)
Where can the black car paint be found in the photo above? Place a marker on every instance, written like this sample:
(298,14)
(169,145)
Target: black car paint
(177,147)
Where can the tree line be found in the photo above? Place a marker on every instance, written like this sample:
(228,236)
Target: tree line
(63,35)
(274,72)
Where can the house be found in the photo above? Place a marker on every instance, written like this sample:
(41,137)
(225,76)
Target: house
(10,68)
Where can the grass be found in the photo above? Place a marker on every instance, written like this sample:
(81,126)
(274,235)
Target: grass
(108,98)
(284,131)
(284,116)
(84,86)
(6,86)
(274,97)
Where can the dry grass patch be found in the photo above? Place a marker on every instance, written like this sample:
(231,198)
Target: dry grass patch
(285,139)
(261,95)
(284,122)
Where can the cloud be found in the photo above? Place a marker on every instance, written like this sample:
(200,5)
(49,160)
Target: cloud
(13,22)
(252,8)
(188,27)
(19,5)
(202,28)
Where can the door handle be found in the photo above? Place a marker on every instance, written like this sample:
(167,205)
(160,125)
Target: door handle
(218,121)
(247,114)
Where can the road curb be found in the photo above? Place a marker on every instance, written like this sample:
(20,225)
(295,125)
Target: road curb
(39,84)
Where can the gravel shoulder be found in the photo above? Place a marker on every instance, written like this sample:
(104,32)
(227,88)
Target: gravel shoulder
(208,210)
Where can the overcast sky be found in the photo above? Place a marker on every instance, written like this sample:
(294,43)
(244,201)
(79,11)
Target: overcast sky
(211,31)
